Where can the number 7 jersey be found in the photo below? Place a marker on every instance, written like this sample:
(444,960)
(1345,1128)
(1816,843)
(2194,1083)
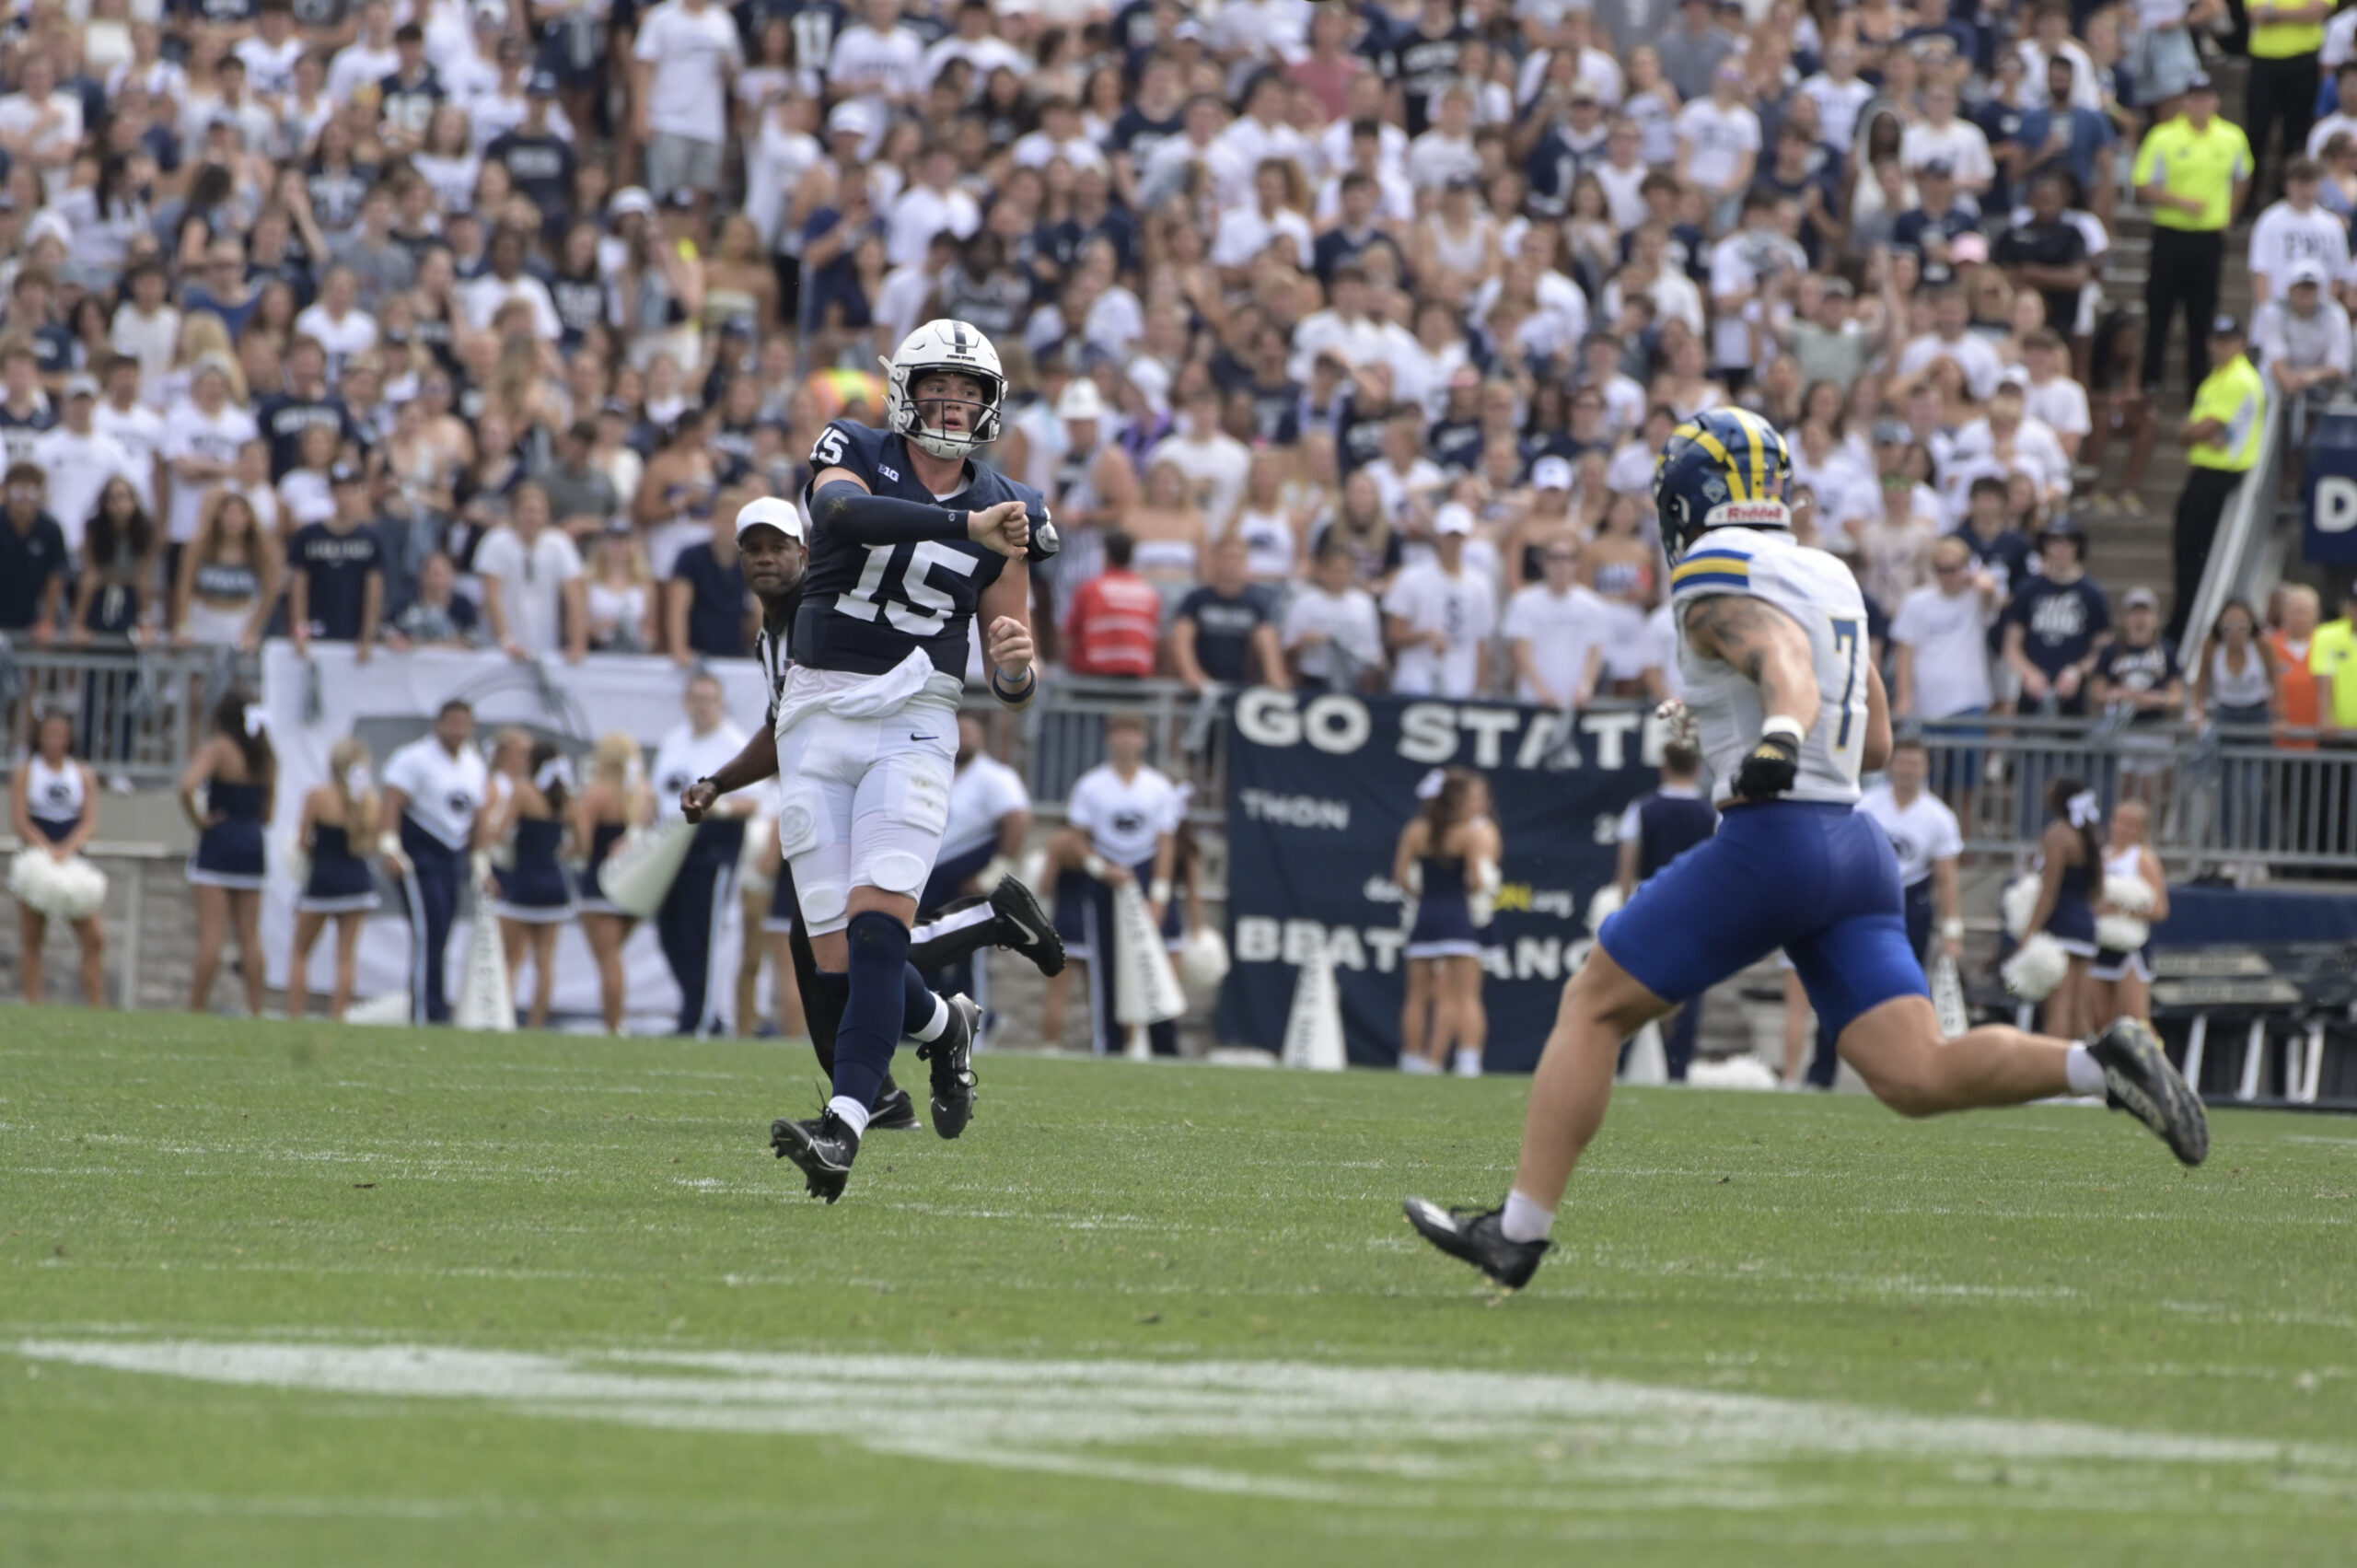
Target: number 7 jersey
(865,606)
(1819,593)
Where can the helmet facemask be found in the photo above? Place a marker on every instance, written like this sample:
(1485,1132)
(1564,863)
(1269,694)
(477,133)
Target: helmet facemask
(907,412)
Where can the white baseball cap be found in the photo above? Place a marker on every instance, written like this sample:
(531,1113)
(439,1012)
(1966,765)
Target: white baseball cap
(771,511)
(1081,400)
(1454,519)
(1550,473)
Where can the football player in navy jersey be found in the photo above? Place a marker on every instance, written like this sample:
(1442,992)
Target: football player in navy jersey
(865,726)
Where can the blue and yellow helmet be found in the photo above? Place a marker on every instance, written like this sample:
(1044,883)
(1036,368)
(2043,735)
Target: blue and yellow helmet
(1724,467)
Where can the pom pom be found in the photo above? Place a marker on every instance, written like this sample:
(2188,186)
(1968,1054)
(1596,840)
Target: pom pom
(2019,902)
(1731,1072)
(2033,973)
(72,889)
(1203,962)
(1429,786)
(2121,933)
(1603,907)
(2129,895)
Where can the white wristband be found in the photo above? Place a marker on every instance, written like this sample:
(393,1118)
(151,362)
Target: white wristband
(389,843)
(1095,866)
(1159,889)
(1783,724)
(1952,929)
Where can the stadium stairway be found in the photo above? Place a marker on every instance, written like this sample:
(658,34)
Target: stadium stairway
(2125,550)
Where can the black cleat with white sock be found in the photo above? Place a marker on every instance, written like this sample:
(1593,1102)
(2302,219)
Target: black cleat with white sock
(823,1147)
(952,1057)
(2139,1078)
(1024,927)
(894,1111)
(1477,1237)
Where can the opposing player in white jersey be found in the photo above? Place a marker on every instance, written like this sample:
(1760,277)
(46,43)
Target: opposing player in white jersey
(911,539)
(1789,707)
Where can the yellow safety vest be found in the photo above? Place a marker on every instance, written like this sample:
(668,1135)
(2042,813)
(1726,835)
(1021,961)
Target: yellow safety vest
(2202,165)
(2234,395)
(2282,40)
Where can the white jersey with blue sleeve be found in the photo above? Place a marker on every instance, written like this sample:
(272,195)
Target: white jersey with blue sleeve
(1819,593)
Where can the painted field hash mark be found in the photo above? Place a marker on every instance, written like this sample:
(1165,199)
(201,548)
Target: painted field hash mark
(1365,1435)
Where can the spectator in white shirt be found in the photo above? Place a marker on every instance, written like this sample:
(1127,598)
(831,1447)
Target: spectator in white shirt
(1060,136)
(337,321)
(688,57)
(2302,338)
(1719,141)
(1840,93)
(1334,633)
(1216,463)
(2296,230)
(2017,442)
(40,126)
(1949,339)
(1447,150)
(1273,213)
(1941,138)
(534,593)
(2051,394)
(1440,615)
(934,204)
(486,295)
(1941,638)
(1555,631)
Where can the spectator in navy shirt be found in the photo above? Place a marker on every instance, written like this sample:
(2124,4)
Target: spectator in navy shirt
(1932,226)
(284,417)
(2058,624)
(335,583)
(32,559)
(1224,631)
(706,608)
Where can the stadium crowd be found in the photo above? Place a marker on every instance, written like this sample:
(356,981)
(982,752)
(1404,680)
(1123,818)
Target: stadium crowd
(1340,339)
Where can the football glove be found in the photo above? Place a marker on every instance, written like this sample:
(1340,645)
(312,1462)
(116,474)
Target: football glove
(1773,762)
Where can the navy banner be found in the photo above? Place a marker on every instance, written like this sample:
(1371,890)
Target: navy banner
(1317,792)
(2330,536)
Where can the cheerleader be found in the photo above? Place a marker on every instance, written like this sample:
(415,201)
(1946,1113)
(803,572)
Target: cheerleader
(615,800)
(534,898)
(54,806)
(2136,894)
(2069,863)
(238,771)
(341,884)
(1447,861)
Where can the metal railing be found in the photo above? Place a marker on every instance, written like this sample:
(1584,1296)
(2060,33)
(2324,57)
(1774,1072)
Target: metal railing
(2246,534)
(1063,736)
(2222,798)
(135,707)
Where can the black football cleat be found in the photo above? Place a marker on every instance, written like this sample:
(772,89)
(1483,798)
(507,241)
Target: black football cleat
(894,1111)
(1477,1236)
(953,1067)
(823,1147)
(1024,927)
(2139,1079)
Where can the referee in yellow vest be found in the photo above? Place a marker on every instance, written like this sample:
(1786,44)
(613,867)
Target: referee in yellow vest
(2286,36)
(2192,172)
(2222,441)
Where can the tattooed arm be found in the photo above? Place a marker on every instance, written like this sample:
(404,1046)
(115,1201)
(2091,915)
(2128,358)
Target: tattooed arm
(1760,641)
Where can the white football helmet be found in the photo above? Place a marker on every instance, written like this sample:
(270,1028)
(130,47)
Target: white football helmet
(937,346)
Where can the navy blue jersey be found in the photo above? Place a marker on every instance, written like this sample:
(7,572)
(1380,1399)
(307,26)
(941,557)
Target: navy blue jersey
(864,606)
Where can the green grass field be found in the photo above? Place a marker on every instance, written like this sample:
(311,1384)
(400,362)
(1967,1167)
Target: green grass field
(277,1294)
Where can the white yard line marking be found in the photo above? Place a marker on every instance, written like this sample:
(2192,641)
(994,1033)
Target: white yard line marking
(1281,1430)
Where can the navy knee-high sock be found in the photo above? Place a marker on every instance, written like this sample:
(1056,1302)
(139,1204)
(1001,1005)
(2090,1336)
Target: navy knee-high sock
(873,1019)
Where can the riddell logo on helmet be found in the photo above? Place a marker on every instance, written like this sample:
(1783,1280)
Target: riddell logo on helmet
(1750,512)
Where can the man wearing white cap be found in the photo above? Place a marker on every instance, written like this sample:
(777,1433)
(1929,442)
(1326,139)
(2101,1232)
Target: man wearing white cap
(1439,617)
(1093,484)
(2302,339)
(79,459)
(200,440)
